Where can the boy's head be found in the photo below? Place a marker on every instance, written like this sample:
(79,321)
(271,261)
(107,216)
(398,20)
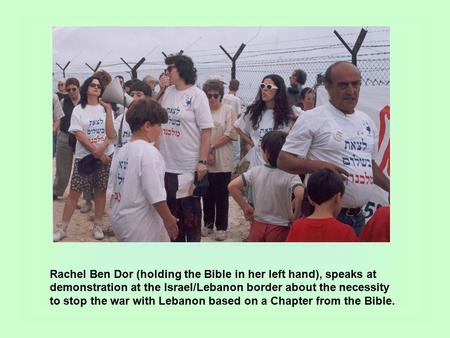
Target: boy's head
(139,89)
(325,185)
(146,115)
(271,145)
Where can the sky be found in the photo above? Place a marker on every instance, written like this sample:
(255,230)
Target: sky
(268,49)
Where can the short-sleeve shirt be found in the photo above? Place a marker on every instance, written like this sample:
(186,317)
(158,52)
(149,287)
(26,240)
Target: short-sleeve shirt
(189,113)
(272,191)
(137,180)
(320,230)
(265,125)
(91,121)
(347,140)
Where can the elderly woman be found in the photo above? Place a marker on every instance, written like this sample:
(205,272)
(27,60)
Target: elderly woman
(92,124)
(185,143)
(220,161)
(270,111)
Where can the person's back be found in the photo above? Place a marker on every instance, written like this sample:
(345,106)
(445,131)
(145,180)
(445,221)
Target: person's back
(320,230)
(324,190)
(272,190)
(271,193)
(138,182)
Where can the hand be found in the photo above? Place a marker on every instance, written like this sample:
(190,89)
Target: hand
(164,82)
(105,158)
(248,212)
(344,174)
(202,170)
(171,227)
(98,152)
(107,106)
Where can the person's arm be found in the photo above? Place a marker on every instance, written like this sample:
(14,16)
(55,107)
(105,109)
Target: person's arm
(298,199)
(297,165)
(56,125)
(98,152)
(221,141)
(235,187)
(379,178)
(247,140)
(109,121)
(170,222)
(205,138)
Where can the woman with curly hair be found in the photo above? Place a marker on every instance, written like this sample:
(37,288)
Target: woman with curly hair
(270,111)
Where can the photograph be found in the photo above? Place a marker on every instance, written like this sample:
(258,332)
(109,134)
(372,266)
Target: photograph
(221,134)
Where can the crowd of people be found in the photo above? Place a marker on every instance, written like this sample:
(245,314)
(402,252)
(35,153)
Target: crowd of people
(168,161)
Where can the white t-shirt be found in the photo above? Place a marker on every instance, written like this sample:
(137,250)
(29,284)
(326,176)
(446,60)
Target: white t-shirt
(126,131)
(189,113)
(272,190)
(347,140)
(91,121)
(137,180)
(266,124)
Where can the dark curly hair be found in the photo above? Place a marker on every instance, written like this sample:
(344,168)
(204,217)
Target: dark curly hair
(84,89)
(185,67)
(281,109)
(214,85)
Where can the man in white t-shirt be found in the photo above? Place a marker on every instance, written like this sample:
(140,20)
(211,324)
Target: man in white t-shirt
(337,136)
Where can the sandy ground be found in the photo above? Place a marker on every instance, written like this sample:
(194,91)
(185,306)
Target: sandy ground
(80,227)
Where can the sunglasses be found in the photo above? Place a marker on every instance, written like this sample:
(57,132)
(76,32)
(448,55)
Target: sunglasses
(216,96)
(169,68)
(94,85)
(71,89)
(267,86)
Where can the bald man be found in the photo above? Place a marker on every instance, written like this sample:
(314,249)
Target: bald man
(337,136)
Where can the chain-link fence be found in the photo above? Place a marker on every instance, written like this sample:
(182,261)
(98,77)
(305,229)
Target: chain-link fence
(251,67)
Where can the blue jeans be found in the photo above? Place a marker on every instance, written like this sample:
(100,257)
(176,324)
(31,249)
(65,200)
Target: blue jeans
(357,222)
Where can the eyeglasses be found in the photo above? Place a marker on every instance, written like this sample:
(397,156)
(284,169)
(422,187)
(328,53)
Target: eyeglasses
(95,85)
(210,96)
(267,86)
(169,68)
(73,89)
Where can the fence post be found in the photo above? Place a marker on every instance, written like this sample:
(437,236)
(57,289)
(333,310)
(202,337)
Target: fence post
(96,67)
(134,68)
(233,59)
(353,51)
(63,68)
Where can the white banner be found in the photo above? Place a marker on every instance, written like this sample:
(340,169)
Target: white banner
(375,102)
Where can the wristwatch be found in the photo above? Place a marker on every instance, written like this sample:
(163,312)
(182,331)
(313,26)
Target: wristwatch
(203,162)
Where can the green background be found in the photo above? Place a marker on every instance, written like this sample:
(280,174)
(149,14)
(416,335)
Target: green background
(414,263)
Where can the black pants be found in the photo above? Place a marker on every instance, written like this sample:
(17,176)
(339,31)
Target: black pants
(187,210)
(215,202)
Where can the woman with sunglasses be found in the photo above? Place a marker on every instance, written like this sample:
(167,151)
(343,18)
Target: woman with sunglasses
(92,124)
(270,111)
(185,143)
(220,162)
